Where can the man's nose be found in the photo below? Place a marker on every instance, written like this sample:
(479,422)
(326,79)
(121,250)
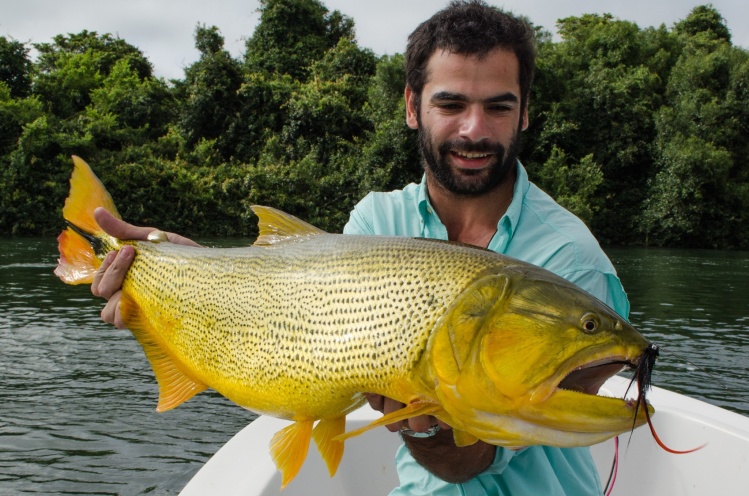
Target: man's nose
(475,125)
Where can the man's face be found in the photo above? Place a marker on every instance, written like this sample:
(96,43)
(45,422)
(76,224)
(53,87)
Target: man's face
(469,119)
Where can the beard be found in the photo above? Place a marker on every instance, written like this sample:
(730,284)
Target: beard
(468,182)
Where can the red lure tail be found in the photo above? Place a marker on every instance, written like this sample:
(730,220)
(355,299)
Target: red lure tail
(643,375)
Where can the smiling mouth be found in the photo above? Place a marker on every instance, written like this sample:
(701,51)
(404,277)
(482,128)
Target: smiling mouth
(472,155)
(589,378)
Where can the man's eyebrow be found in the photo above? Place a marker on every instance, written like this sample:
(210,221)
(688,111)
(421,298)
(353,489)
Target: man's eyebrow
(459,97)
(448,95)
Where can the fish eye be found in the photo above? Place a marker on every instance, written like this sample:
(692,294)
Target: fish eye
(589,323)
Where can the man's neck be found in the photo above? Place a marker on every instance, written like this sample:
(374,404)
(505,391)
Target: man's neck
(471,219)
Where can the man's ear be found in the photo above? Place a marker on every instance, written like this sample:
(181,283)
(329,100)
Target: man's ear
(524,122)
(412,117)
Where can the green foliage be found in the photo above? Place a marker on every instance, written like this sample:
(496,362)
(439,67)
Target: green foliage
(292,35)
(594,96)
(108,49)
(698,195)
(687,199)
(643,133)
(704,20)
(15,67)
(573,185)
(210,94)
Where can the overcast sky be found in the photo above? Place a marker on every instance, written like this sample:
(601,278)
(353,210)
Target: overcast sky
(164,29)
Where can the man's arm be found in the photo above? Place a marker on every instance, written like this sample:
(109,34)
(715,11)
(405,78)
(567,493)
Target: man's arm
(439,455)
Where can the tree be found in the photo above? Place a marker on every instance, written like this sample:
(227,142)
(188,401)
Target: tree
(210,96)
(71,67)
(390,158)
(593,102)
(685,206)
(698,196)
(15,67)
(292,35)
(705,20)
(128,111)
(110,49)
(574,186)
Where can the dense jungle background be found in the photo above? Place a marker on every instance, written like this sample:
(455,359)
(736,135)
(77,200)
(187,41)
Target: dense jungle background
(643,133)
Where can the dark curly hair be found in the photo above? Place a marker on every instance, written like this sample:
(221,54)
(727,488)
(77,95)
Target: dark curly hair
(470,28)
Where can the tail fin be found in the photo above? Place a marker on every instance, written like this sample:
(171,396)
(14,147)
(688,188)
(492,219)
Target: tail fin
(80,243)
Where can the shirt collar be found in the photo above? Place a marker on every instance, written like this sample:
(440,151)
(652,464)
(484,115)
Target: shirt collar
(509,220)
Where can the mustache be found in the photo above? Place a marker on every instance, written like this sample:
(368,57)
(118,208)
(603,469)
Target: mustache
(471,147)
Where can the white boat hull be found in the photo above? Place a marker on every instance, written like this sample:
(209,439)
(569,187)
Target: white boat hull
(243,465)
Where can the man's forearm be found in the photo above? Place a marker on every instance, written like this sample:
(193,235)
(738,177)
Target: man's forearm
(439,455)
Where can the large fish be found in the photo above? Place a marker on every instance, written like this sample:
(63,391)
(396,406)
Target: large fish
(302,323)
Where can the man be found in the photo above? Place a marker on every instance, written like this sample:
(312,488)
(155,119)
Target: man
(469,69)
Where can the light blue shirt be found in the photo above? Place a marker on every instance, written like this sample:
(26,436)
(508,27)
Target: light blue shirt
(537,230)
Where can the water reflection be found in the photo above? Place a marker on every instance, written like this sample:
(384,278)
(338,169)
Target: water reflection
(693,304)
(78,397)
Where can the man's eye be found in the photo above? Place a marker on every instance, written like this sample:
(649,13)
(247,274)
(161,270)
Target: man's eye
(499,109)
(450,106)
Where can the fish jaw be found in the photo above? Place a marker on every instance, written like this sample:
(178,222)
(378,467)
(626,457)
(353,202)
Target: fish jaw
(518,361)
(565,418)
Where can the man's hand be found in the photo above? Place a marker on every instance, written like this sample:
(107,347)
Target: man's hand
(438,454)
(108,279)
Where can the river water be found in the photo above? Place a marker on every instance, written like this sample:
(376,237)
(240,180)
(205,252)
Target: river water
(77,397)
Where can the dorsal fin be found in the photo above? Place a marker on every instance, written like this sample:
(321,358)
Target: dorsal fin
(276,226)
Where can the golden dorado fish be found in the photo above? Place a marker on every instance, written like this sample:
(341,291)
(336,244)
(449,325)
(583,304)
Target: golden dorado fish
(301,324)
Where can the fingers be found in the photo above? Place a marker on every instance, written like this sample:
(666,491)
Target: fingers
(111,312)
(122,230)
(119,228)
(376,401)
(108,279)
(180,240)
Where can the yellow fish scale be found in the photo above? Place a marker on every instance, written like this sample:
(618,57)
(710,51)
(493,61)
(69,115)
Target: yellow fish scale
(291,333)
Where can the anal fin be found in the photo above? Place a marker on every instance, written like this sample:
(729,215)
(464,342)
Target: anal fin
(175,386)
(325,433)
(288,448)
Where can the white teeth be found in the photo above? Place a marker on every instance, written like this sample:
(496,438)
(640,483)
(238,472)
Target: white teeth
(472,155)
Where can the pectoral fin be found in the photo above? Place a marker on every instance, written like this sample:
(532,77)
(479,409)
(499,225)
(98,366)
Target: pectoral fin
(288,448)
(325,435)
(463,438)
(175,386)
(413,409)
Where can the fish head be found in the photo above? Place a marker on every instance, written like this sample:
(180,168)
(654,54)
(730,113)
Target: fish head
(519,357)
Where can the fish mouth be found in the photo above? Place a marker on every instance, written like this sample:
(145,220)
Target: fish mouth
(589,378)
